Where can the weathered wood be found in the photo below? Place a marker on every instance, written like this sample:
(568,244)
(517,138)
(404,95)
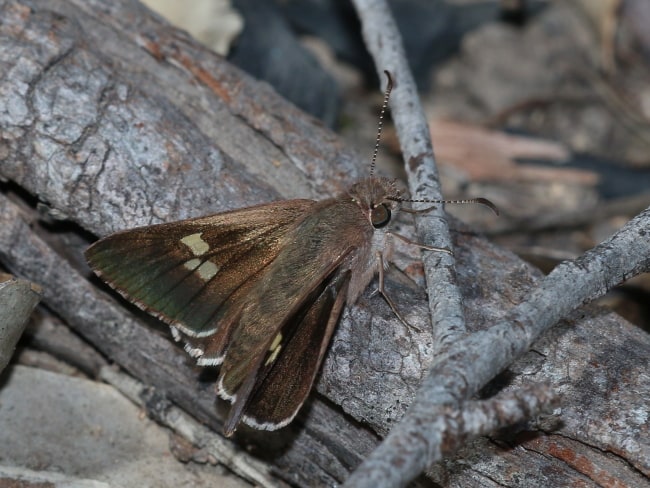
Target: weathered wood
(17,301)
(114,119)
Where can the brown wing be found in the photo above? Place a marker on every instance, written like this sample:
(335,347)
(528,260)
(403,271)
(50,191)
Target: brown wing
(275,305)
(252,290)
(189,273)
(272,394)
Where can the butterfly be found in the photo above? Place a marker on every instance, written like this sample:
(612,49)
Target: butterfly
(258,291)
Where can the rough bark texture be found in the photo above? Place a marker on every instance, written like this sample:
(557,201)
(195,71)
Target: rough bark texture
(17,300)
(113,120)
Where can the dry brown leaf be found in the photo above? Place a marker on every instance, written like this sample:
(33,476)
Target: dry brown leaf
(489,155)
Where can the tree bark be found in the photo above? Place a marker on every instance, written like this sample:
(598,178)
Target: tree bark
(114,119)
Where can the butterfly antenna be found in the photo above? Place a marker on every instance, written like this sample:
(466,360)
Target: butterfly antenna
(380,125)
(480,201)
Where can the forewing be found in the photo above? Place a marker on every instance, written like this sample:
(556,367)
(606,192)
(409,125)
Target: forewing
(189,273)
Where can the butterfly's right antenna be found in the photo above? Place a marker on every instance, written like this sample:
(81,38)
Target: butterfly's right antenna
(481,201)
(389,87)
(397,198)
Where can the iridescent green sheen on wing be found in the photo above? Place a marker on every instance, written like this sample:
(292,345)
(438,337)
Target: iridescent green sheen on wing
(155,269)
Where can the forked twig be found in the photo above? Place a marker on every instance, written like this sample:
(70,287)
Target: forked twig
(426,433)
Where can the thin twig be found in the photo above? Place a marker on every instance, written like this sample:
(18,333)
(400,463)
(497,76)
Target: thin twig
(505,409)
(384,43)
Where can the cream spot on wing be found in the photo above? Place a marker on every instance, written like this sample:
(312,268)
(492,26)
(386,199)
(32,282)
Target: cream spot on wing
(175,333)
(208,270)
(195,352)
(276,342)
(192,264)
(196,244)
(273,356)
(274,350)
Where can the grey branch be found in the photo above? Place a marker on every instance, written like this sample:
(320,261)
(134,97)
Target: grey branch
(384,42)
(507,408)
(418,439)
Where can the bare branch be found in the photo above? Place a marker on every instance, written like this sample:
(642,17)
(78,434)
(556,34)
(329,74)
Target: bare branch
(418,439)
(384,42)
(484,417)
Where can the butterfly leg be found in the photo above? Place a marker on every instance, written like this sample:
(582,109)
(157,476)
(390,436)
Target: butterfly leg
(382,291)
(417,244)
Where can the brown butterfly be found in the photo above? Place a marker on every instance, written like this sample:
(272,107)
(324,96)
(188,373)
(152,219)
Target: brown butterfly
(259,290)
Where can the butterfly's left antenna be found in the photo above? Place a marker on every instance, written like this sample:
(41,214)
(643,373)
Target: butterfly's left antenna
(389,87)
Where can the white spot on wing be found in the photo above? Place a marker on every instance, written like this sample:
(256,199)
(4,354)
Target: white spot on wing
(196,244)
(275,348)
(208,270)
(195,352)
(175,333)
(192,264)
(273,356)
(276,342)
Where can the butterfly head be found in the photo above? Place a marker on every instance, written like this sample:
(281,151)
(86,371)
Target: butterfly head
(377,198)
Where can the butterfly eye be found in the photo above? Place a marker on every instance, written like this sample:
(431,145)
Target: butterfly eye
(380,216)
